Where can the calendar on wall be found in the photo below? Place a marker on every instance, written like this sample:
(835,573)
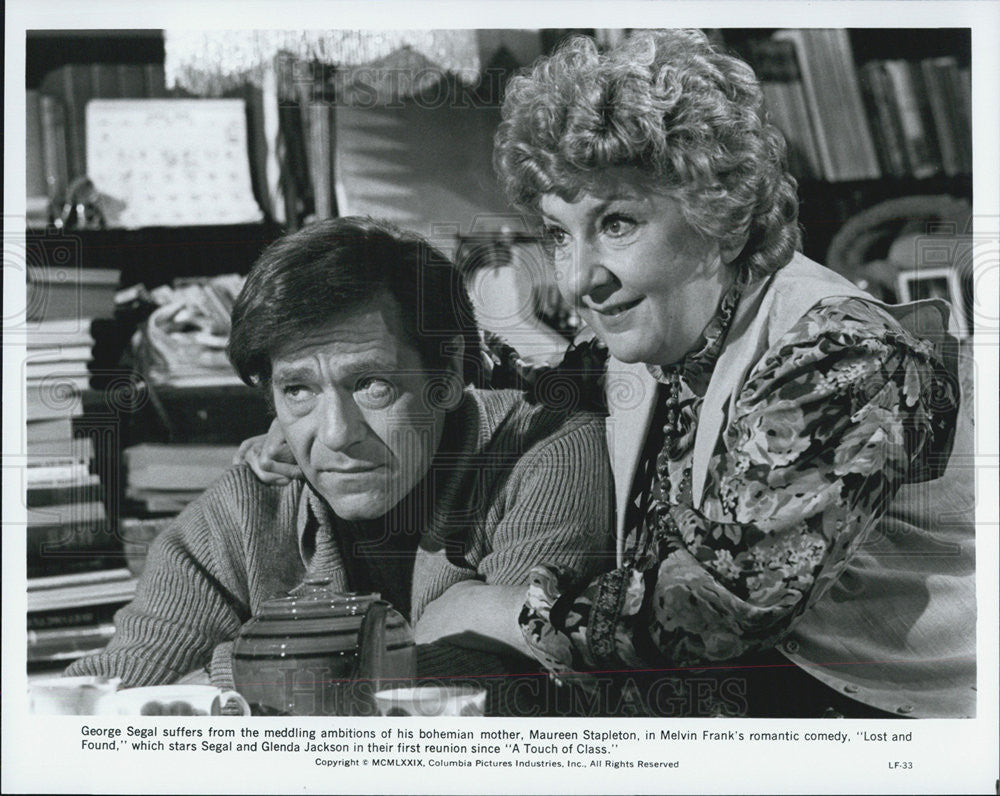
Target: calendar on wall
(171,162)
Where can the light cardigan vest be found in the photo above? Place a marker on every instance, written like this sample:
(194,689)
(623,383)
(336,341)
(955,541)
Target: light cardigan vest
(897,630)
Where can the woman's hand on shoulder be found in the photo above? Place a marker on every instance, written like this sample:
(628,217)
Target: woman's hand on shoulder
(269,456)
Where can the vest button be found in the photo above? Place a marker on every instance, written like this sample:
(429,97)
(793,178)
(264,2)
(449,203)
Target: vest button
(851,689)
(904,709)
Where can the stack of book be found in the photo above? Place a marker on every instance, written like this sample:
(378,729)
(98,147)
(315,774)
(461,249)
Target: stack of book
(55,372)
(71,615)
(164,478)
(68,528)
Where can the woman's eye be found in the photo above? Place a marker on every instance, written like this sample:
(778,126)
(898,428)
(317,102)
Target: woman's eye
(375,393)
(618,225)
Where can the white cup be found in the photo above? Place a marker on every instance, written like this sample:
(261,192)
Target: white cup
(432,700)
(69,696)
(173,700)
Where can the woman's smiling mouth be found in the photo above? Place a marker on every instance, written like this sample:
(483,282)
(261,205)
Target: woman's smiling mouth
(614,310)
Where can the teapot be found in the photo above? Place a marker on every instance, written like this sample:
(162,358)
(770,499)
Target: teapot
(318,652)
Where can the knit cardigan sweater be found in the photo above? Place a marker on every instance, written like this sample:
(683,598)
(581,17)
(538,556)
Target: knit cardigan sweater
(523,484)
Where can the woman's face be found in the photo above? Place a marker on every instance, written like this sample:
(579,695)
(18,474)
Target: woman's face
(639,274)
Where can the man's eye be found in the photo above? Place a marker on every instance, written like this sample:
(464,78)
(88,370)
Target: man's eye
(375,393)
(296,393)
(556,236)
(617,225)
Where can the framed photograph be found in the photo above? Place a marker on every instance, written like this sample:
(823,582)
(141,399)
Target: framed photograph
(942,283)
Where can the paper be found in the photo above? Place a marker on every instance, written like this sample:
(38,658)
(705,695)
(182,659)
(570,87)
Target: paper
(172,162)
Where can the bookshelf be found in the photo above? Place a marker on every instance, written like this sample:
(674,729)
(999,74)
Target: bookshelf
(876,120)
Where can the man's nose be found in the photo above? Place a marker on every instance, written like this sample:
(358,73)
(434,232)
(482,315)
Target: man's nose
(587,276)
(342,423)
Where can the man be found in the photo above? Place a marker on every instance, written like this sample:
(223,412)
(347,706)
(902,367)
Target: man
(437,495)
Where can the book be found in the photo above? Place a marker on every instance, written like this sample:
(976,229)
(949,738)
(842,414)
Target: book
(71,293)
(920,150)
(74,615)
(830,85)
(47,333)
(47,399)
(67,644)
(76,513)
(781,83)
(52,496)
(177,468)
(55,147)
(941,116)
(884,114)
(80,589)
(63,353)
(34,155)
(67,449)
(59,472)
(57,429)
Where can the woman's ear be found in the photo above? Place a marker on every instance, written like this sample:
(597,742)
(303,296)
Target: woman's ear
(446,388)
(456,359)
(730,248)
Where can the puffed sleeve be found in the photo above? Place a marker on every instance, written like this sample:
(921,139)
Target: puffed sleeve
(833,419)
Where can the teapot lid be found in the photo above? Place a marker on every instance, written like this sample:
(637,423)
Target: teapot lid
(314,599)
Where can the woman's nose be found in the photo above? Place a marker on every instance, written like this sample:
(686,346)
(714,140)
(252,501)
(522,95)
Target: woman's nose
(586,277)
(341,422)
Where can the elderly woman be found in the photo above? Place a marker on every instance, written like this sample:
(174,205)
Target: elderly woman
(763,411)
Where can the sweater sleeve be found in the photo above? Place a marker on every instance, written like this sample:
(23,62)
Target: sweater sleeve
(557,508)
(187,609)
(830,423)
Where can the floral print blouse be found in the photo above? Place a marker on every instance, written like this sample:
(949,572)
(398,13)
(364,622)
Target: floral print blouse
(827,427)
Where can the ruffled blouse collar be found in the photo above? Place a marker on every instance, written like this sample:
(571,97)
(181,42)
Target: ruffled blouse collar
(696,366)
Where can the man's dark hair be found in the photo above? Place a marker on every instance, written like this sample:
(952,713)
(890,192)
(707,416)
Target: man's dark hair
(332,268)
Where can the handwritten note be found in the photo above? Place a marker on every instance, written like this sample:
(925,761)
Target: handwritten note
(172,162)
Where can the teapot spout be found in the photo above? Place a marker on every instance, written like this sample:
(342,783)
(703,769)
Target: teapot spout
(371,653)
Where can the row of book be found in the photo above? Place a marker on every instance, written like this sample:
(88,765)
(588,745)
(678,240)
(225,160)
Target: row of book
(891,118)
(924,116)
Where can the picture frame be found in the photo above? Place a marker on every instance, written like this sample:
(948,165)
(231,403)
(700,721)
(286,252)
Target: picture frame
(943,283)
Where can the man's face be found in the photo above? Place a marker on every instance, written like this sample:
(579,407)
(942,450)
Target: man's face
(352,400)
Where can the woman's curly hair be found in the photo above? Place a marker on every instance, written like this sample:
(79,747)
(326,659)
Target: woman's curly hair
(670,104)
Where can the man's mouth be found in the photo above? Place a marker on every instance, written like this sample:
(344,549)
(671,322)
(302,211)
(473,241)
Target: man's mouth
(351,470)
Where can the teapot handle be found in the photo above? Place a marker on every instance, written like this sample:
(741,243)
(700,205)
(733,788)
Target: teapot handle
(371,649)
